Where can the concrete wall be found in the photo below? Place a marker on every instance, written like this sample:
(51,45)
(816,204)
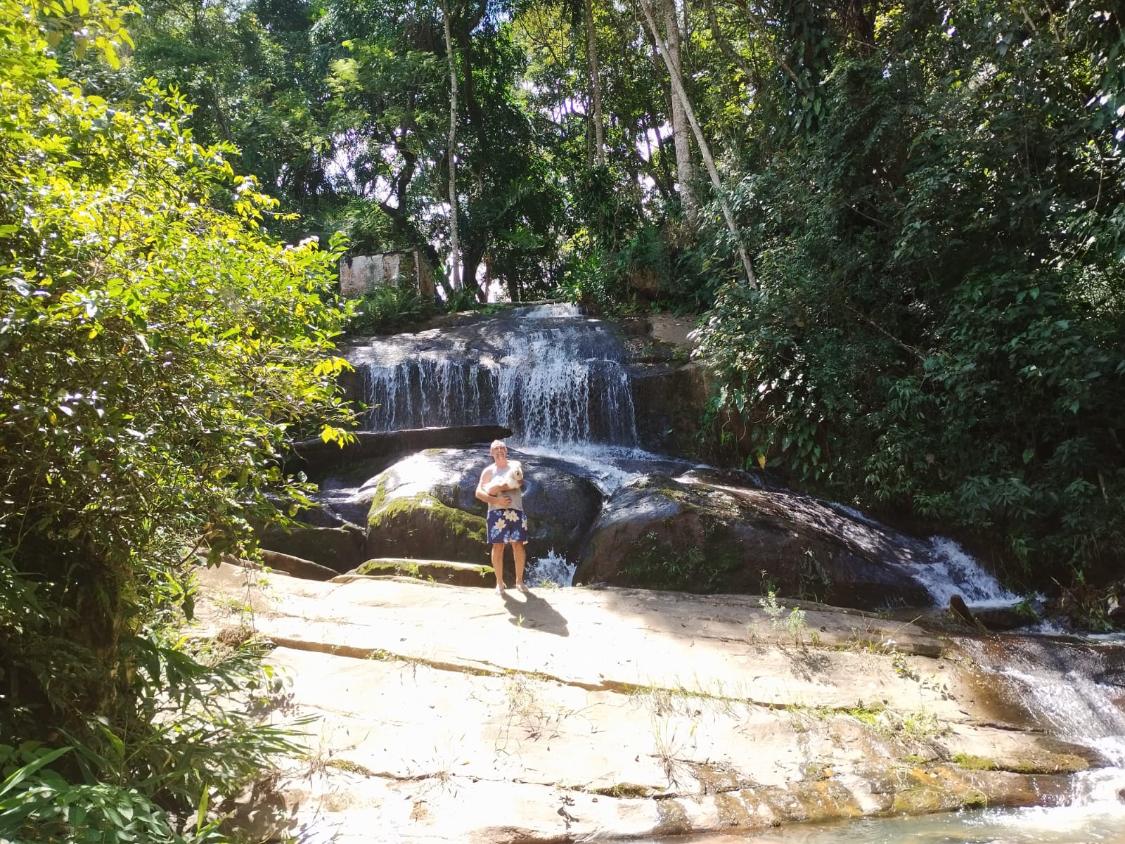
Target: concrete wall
(360,274)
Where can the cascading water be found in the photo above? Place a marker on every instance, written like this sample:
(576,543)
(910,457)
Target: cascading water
(560,382)
(549,374)
(555,377)
(945,569)
(951,571)
(1074,693)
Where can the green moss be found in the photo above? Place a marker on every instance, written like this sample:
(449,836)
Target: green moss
(434,571)
(976,763)
(1056,763)
(400,567)
(868,715)
(380,497)
(624,789)
(1053,763)
(456,523)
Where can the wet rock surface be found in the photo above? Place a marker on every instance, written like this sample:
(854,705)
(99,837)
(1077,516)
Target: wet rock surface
(444,713)
(699,533)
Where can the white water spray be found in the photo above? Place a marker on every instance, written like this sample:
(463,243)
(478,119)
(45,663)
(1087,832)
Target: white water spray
(551,570)
(550,375)
(951,571)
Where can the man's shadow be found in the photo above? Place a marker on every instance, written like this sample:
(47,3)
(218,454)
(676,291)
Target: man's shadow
(534,613)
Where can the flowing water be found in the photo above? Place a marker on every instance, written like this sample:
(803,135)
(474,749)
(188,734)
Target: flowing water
(1074,690)
(555,377)
(546,372)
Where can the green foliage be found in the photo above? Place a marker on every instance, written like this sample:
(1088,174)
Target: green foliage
(941,320)
(657,267)
(388,309)
(158,350)
(256,78)
(204,742)
(792,621)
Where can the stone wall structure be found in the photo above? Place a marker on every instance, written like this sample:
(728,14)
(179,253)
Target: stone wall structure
(361,274)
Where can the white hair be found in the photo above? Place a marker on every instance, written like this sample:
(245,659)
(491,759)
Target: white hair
(497,444)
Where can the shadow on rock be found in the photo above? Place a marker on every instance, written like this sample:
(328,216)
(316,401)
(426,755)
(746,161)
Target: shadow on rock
(534,613)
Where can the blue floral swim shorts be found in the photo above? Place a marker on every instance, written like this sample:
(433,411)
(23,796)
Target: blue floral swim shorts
(508,525)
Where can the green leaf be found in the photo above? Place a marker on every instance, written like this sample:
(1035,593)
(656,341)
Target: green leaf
(20,775)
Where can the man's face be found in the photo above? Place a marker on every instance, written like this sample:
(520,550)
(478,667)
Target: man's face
(500,455)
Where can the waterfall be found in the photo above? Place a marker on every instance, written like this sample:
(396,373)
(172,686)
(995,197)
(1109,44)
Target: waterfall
(945,569)
(552,568)
(549,374)
(951,571)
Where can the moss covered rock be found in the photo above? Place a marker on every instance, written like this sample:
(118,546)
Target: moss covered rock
(424,507)
(438,571)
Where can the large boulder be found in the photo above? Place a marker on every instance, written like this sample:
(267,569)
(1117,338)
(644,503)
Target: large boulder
(698,533)
(424,507)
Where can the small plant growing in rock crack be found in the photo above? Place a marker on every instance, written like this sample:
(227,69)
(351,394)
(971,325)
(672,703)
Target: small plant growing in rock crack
(791,620)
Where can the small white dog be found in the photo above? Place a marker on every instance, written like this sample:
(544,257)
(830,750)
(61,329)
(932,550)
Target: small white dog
(511,479)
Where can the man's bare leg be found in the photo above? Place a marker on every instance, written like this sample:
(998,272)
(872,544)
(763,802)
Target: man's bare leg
(498,565)
(519,554)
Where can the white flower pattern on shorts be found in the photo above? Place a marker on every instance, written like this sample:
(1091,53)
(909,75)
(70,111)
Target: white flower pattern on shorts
(506,525)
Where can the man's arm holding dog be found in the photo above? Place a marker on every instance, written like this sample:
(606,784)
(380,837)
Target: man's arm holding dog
(482,494)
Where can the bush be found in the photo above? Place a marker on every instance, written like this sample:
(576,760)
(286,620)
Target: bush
(940,329)
(158,350)
(389,309)
(658,267)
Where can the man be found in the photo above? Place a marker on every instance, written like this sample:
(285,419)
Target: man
(507,524)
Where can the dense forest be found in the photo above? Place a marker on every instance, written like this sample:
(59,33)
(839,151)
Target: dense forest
(900,224)
(903,221)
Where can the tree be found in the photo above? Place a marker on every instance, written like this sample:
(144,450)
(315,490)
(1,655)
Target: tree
(595,81)
(159,348)
(670,48)
(941,320)
(454,205)
(680,94)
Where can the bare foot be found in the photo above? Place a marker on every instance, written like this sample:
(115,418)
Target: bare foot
(522,588)
(499,589)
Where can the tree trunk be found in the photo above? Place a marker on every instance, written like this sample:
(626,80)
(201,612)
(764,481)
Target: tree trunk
(475,250)
(679,93)
(595,84)
(685,169)
(454,241)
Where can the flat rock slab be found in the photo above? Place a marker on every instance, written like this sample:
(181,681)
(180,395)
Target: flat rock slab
(447,713)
